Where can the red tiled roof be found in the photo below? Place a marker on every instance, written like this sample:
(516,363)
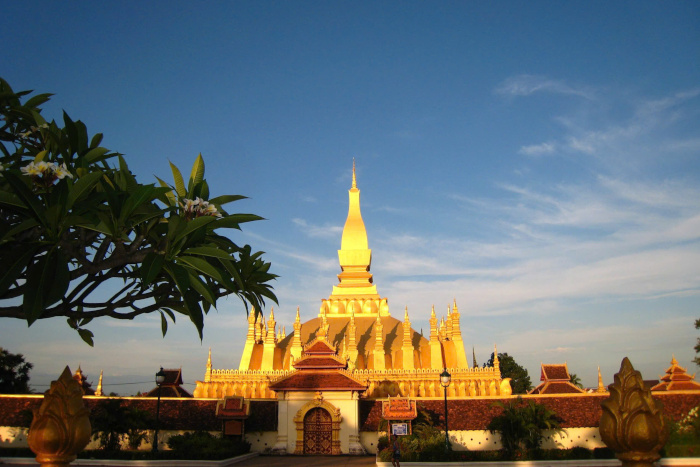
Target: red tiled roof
(169,391)
(556,387)
(232,407)
(676,379)
(313,361)
(554,371)
(322,380)
(320,347)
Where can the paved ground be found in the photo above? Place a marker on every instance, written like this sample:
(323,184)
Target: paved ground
(314,461)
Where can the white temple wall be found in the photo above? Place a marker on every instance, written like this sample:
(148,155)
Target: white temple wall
(288,407)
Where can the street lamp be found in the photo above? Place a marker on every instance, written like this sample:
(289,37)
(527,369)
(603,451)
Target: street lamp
(160,379)
(445,379)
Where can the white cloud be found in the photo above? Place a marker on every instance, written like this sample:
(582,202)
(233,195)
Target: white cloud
(317,231)
(538,149)
(525,85)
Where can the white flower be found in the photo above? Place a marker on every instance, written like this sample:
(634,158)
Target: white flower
(33,169)
(61,171)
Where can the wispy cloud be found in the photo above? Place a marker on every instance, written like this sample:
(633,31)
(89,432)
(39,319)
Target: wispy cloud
(525,85)
(318,231)
(538,149)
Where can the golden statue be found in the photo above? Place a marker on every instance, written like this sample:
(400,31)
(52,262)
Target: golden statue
(61,426)
(632,423)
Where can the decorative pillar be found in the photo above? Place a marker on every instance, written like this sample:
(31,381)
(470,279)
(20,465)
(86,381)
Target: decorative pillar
(379,359)
(268,358)
(460,353)
(250,340)
(98,391)
(296,349)
(435,347)
(407,344)
(633,423)
(207,373)
(448,324)
(61,426)
(352,342)
(601,387)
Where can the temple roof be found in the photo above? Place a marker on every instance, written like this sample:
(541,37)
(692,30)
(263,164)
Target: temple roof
(556,380)
(171,386)
(318,380)
(676,379)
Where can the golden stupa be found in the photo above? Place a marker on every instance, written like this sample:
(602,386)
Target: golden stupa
(389,356)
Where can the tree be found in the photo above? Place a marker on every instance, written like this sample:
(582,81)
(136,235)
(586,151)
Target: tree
(520,380)
(113,423)
(522,426)
(83,239)
(14,373)
(575,380)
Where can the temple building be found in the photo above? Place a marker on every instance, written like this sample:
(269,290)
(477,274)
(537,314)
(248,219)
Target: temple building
(352,349)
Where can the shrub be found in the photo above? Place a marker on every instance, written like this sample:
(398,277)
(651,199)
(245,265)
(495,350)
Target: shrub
(203,443)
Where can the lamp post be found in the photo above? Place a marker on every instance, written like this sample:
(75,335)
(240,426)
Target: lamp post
(160,378)
(445,379)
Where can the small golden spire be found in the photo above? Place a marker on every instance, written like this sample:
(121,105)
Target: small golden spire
(449,311)
(209,359)
(297,318)
(272,312)
(454,306)
(432,312)
(98,391)
(601,386)
(405,315)
(252,316)
(354,180)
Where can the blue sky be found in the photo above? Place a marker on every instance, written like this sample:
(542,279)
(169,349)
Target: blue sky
(537,161)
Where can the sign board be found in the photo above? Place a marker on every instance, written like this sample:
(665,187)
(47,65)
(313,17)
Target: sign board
(399,429)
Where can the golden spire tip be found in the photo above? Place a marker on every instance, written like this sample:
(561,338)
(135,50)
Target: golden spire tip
(354,179)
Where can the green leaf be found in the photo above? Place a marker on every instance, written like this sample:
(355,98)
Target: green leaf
(202,288)
(233,271)
(36,101)
(27,196)
(171,196)
(163,324)
(179,182)
(191,226)
(151,267)
(179,275)
(225,199)
(86,336)
(208,251)
(195,312)
(10,199)
(82,187)
(96,154)
(204,267)
(233,221)
(96,140)
(197,174)
(39,277)
(13,265)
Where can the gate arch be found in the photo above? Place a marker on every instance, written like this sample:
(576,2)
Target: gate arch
(330,413)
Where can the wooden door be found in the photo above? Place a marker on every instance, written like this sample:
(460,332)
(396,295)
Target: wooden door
(318,431)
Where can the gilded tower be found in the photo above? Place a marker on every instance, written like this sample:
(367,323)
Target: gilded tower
(388,354)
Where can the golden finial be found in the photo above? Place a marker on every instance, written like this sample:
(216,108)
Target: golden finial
(61,426)
(432,312)
(449,311)
(632,423)
(405,314)
(98,391)
(272,312)
(252,316)
(454,306)
(601,386)
(297,318)
(209,358)
(354,180)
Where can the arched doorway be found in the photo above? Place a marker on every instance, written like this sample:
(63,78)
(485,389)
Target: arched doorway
(318,431)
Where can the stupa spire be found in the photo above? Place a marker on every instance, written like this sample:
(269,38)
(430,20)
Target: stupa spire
(98,391)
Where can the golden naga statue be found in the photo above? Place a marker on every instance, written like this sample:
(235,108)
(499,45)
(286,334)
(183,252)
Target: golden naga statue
(61,426)
(632,423)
